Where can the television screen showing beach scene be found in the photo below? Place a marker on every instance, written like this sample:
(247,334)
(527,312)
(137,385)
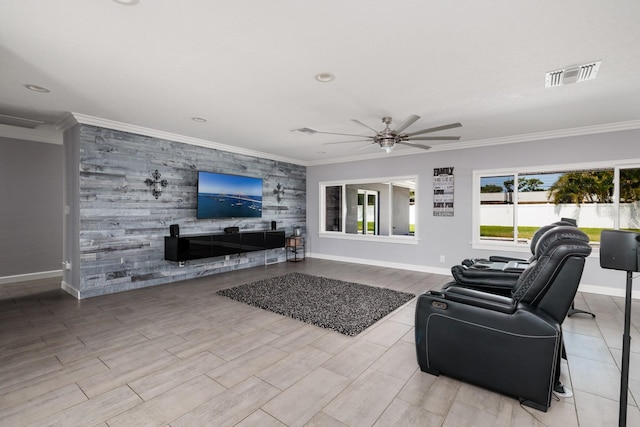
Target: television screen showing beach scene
(228,196)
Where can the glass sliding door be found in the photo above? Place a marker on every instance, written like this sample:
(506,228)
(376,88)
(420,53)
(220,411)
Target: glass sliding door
(367,212)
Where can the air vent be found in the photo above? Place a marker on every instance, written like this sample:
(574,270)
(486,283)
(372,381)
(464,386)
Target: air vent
(19,122)
(574,74)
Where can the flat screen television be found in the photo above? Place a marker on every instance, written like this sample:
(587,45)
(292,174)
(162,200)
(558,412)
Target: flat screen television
(228,196)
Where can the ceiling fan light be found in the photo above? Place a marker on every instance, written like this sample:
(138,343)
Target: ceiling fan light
(387,144)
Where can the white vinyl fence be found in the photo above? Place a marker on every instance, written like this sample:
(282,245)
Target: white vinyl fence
(596,215)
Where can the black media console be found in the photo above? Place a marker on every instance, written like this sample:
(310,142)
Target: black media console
(185,248)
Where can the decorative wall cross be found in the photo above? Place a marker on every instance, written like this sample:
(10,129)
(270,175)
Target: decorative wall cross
(156,183)
(279,192)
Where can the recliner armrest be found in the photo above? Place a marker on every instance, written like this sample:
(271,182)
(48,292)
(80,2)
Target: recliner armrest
(494,280)
(516,266)
(479,299)
(499,258)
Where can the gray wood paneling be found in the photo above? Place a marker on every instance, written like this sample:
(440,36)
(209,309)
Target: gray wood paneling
(122,225)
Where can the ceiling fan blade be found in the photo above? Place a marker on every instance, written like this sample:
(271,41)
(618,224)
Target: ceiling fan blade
(363,147)
(408,122)
(362,124)
(424,147)
(345,134)
(435,138)
(343,142)
(435,129)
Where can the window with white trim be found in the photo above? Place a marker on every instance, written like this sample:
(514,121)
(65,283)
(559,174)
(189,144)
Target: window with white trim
(597,196)
(380,208)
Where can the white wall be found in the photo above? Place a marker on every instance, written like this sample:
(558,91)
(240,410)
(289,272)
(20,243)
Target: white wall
(451,236)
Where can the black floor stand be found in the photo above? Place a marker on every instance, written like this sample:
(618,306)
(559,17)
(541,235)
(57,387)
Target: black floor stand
(626,345)
(573,310)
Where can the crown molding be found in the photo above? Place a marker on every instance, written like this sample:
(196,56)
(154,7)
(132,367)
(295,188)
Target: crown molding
(41,134)
(538,136)
(514,139)
(76,118)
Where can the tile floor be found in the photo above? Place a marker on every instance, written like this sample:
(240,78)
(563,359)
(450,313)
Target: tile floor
(179,355)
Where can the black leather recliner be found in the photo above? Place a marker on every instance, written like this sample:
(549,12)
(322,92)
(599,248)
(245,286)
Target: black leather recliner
(508,344)
(499,274)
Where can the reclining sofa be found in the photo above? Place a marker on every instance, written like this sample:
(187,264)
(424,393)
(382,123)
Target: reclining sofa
(509,344)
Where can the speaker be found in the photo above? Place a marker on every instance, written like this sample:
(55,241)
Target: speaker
(174,230)
(273,225)
(620,250)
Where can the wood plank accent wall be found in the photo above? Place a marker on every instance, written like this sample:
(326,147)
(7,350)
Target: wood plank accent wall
(122,225)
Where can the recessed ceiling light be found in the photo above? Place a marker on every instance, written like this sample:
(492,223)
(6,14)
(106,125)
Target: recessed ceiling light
(198,119)
(37,88)
(325,77)
(127,2)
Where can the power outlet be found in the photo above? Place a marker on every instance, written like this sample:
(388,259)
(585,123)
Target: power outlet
(441,258)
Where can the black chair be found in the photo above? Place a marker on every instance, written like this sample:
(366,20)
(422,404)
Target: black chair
(499,274)
(510,344)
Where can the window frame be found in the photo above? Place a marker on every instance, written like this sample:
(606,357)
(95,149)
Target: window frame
(514,245)
(391,238)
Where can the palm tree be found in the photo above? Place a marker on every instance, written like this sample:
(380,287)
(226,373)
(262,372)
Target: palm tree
(583,186)
(629,185)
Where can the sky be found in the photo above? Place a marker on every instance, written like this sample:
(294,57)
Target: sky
(229,184)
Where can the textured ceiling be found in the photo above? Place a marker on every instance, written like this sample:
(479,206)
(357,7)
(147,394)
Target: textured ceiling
(248,67)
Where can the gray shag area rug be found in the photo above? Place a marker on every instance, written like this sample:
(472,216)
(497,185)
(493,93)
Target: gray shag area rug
(345,307)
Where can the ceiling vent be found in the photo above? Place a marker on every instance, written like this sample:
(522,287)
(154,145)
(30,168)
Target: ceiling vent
(19,122)
(574,74)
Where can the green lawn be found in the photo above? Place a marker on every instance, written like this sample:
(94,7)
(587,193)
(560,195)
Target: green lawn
(526,232)
(371,226)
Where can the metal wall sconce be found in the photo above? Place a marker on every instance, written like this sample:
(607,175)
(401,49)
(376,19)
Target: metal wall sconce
(279,192)
(156,183)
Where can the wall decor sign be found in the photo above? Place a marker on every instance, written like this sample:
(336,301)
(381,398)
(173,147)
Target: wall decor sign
(443,191)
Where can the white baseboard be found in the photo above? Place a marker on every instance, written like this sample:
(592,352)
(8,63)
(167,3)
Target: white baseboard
(401,266)
(605,290)
(70,289)
(30,276)
(592,289)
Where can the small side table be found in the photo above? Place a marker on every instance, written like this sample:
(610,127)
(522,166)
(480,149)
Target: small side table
(295,248)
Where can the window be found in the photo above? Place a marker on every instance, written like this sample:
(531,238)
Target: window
(510,213)
(380,208)
(629,208)
(333,208)
(496,208)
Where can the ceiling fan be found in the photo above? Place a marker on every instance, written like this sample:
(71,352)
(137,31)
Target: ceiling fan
(388,138)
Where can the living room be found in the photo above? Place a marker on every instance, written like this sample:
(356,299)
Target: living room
(102,232)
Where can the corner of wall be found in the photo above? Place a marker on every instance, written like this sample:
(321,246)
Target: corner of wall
(70,290)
